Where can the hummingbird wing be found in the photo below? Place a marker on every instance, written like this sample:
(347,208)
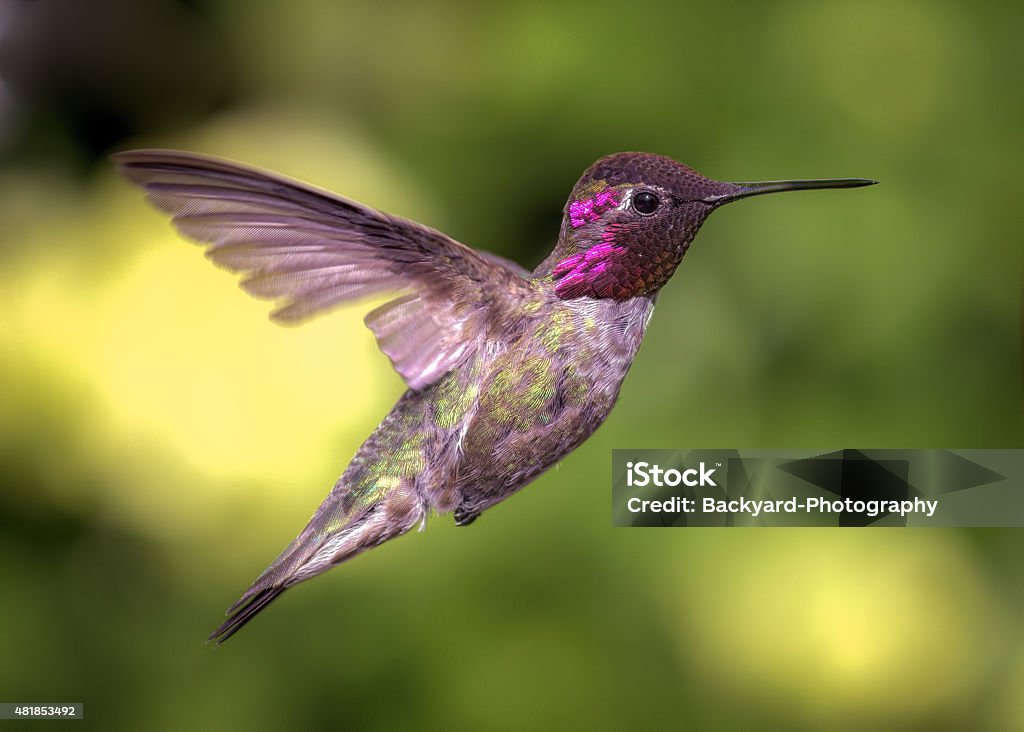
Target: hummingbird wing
(312,250)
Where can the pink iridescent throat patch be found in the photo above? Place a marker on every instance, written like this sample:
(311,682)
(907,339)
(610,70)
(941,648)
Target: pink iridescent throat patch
(593,271)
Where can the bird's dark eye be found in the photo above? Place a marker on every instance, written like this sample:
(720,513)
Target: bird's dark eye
(645,202)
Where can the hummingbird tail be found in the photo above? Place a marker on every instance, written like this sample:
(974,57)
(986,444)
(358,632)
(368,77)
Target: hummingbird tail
(335,534)
(245,613)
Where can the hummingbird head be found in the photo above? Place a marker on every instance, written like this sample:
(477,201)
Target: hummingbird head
(631,218)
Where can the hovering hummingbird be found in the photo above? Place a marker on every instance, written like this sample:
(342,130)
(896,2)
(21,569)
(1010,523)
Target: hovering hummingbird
(508,370)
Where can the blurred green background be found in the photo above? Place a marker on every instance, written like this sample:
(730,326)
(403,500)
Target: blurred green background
(161,441)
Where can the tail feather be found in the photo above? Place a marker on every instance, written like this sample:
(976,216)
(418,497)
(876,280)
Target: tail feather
(324,543)
(245,613)
(274,580)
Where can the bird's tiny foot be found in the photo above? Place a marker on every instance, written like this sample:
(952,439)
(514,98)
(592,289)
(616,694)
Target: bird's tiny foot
(464,517)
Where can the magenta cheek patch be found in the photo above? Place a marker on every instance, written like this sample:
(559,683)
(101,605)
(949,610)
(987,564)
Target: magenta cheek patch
(590,209)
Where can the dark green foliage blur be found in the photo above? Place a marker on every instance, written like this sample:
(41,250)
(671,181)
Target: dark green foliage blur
(160,442)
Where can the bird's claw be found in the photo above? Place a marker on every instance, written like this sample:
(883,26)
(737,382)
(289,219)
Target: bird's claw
(464,517)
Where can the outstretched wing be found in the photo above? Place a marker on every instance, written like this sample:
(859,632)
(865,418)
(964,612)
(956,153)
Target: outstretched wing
(312,250)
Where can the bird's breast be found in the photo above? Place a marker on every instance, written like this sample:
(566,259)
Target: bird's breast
(519,406)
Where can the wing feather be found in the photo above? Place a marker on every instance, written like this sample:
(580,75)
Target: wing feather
(312,250)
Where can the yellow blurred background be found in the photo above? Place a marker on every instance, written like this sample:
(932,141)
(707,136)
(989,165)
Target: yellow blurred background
(161,440)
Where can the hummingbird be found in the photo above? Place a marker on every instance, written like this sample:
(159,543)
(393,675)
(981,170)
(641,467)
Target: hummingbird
(507,370)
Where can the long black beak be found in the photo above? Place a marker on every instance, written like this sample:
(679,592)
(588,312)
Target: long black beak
(745,190)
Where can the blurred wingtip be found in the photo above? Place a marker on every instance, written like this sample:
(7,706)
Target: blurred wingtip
(124,158)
